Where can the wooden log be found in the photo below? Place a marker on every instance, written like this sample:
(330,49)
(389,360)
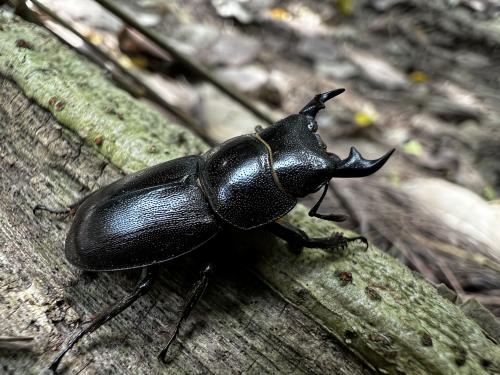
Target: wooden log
(66,130)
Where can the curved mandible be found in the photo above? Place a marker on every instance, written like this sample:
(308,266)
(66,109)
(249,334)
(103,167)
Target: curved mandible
(318,102)
(357,166)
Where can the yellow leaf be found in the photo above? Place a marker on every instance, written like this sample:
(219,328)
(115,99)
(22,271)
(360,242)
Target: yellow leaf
(363,119)
(140,62)
(94,37)
(413,147)
(419,77)
(394,180)
(280,14)
(345,7)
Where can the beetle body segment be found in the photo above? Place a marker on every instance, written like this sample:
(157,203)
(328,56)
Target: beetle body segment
(145,218)
(299,155)
(238,178)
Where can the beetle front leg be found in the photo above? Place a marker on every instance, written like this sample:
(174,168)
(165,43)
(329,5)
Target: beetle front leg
(330,217)
(298,239)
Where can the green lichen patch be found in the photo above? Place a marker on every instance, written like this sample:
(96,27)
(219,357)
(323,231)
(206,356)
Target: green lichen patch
(396,322)
(79,95)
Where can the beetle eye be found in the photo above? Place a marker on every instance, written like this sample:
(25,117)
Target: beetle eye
(312,126)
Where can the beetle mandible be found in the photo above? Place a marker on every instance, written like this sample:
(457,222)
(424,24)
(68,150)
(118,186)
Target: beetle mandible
(247,182)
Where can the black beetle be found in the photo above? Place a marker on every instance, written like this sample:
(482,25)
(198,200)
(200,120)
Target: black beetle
(168,210)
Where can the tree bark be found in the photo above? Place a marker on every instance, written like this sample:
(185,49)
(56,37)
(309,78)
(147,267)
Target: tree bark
(66,130)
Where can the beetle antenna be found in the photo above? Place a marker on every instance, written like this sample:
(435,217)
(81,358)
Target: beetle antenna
(318,102)
(357,166)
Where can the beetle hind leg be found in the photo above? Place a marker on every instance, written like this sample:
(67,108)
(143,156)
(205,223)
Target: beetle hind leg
(146,281)
(193,297)
(39,207)
(297,239)
(70,210)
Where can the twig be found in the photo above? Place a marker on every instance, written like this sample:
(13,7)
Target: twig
(84,367)
(457,252)
(450,276)
(418,263)
(16,342)
(350,208)
(16,338)
(119,72)
(484,299)
(185,60)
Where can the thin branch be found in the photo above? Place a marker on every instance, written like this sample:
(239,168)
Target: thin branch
(485,299)
(121,74)
(458,252)
(450,276)
(184,59)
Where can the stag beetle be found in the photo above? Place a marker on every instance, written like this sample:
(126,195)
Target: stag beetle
(170,209)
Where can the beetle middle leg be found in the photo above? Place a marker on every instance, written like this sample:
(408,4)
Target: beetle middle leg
(298,239)
(146,281)
(193,297)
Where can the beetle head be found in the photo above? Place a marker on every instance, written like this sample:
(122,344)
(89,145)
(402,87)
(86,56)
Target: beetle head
(300,157)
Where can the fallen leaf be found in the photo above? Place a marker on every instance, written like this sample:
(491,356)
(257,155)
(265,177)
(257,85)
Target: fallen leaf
(413,147)
(280,14)
(419,77)
(363,119)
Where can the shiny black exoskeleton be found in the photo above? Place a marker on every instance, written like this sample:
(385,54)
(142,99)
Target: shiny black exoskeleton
(170,209)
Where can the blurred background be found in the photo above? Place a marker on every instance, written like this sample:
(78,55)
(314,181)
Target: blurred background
(421,76)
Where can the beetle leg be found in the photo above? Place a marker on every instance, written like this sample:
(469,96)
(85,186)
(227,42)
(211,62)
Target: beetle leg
(144,284)
(314,211)
(193,297)
(69,211)
(298,239)
(295,237)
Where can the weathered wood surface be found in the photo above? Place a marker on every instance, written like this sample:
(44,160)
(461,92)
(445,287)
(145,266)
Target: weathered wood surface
(392,319)
(239,326)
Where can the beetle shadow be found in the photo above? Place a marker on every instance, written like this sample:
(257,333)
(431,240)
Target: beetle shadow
(232,287)
(175,279)
(235,286)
